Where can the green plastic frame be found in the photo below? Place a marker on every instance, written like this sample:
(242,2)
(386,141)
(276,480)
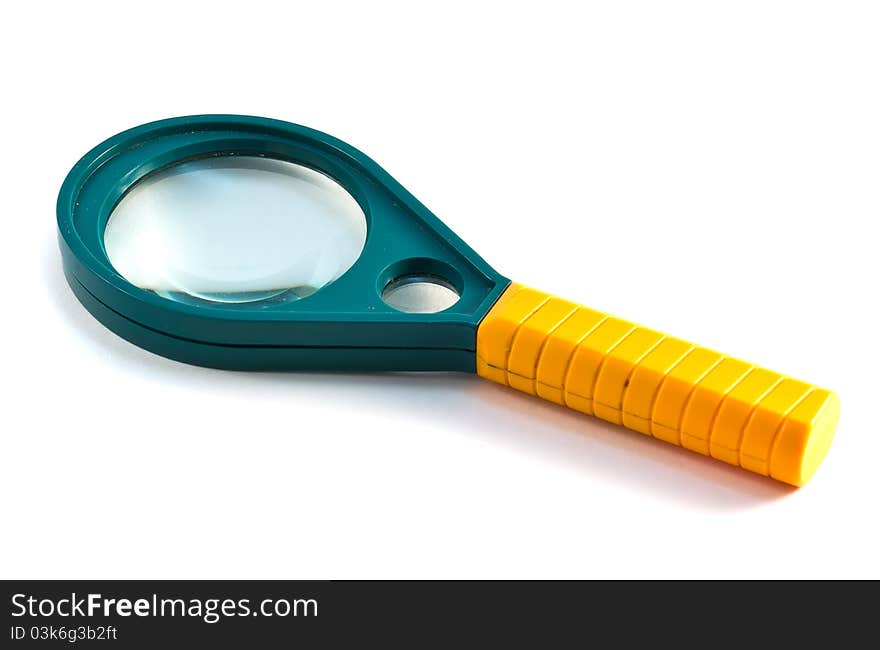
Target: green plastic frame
(344,326)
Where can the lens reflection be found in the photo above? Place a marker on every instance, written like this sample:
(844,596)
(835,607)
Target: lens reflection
(235,229)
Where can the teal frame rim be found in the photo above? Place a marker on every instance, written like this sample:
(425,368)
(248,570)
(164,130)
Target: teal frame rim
(344,326)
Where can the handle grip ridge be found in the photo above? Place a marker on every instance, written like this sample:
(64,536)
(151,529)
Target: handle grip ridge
(656,384)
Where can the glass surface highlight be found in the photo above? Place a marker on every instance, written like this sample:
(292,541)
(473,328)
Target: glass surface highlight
(420,294)
(235,229)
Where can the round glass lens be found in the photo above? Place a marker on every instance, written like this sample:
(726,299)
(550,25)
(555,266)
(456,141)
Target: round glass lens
(420,294)
(235,229)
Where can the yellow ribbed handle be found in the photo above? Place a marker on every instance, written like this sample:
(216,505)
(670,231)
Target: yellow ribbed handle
(656,384)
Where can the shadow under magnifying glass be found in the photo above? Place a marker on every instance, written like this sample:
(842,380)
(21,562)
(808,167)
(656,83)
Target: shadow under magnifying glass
(469,404)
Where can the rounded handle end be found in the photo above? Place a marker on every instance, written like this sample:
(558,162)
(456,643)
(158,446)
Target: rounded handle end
(805,438)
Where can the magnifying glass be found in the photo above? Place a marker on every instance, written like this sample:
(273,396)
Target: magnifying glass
(255,244)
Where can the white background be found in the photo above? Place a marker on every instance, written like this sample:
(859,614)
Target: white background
(708,169)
